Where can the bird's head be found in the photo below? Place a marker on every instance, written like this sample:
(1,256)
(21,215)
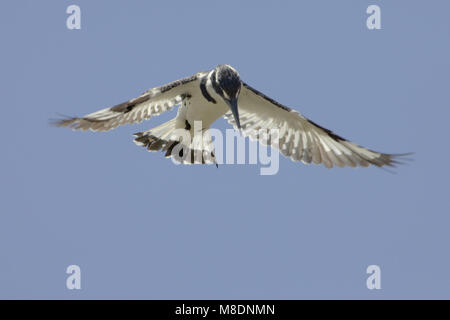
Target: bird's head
(228,87)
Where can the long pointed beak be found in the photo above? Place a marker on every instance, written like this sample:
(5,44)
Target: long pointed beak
(233,104)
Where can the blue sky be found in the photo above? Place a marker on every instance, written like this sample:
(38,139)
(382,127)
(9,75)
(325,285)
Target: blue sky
(140,227)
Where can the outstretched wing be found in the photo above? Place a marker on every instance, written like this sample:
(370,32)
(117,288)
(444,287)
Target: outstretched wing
(152,102)
(299,138)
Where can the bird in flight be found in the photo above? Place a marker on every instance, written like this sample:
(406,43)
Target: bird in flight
(207,96)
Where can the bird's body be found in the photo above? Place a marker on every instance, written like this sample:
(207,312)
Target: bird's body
(206,97)
(198,108)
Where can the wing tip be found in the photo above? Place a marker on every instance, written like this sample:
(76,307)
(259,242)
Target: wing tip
(64,121)
(396,159)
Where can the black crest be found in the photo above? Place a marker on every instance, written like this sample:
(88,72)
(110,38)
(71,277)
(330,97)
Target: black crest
(228,80)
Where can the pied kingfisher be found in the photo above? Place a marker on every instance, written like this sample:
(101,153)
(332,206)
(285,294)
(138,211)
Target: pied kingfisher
(207,96)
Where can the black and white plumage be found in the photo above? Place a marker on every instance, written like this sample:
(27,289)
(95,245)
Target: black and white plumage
(207,96)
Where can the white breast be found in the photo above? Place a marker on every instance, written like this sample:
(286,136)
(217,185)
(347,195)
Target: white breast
(200,109)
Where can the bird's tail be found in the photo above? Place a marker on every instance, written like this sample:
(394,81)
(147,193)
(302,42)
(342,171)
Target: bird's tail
(181,144)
